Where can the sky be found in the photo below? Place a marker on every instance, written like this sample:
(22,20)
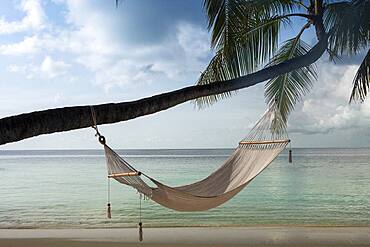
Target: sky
(56,53)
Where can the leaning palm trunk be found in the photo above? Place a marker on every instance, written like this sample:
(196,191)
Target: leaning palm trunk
(19,127)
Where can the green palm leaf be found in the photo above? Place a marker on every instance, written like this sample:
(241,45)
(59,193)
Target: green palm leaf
(226,18)
(361,83)
(245,35)
(250,51)
(348,26)
(284,91)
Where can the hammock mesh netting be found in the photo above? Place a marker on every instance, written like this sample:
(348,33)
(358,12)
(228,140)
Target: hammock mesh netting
(253,154)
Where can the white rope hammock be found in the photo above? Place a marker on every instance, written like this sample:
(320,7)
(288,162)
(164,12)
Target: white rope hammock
(253,154)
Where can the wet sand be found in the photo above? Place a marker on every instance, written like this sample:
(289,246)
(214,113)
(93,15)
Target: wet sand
(194,236)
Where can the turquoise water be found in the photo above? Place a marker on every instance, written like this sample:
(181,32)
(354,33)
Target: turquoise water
(60,189)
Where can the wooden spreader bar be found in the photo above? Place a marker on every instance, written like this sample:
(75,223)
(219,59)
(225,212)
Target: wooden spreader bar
(264,142)
(124,174)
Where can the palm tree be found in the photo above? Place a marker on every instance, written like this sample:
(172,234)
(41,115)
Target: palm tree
(245,39)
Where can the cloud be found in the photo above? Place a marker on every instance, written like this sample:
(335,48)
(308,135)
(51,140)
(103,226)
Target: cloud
(193,39)
(125,73)
(53,68)
(34,18)
(116,63)
(29,45)
(49,68)
(326,109)
(178,57)
(90,39)
(29,70)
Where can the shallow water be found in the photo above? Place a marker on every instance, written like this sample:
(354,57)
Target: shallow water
(41,189)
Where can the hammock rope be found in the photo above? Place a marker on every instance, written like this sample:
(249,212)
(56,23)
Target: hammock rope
(253,154)
(109,210)
(101,139)
(140,222)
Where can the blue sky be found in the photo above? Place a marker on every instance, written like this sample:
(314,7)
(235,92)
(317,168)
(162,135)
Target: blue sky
(56,53)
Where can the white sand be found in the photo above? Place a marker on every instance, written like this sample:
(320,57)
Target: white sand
(225,236)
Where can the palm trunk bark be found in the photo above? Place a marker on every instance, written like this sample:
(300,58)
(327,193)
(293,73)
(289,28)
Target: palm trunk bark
(19,127)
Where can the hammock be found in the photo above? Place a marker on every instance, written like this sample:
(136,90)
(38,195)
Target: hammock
(253,154)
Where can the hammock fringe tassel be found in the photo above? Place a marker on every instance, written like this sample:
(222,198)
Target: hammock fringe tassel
(109,211)
(140,231)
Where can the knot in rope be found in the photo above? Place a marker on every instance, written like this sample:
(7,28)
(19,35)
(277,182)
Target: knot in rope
(101,138)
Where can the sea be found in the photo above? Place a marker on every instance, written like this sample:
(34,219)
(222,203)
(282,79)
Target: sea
(68,189)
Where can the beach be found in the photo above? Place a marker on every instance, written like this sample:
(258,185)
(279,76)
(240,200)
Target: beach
(191,236)
(185,123)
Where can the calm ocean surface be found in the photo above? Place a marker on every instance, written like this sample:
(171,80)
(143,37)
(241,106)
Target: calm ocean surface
(64,189)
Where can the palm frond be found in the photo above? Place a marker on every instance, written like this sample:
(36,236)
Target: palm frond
(333,57)
(118,2)
(284,91)
(348,25)
(226,18)
(361,83)
(252,47)
(245,36)
(276,7)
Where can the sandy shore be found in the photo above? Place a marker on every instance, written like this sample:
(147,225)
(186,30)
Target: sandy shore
(243,236)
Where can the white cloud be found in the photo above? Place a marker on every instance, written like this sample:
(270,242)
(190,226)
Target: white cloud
(90,38)
(34,18)
(29,70)
(125,73)
(49,68)
(53,68)
(327,109)
(29,45)
(193,39)
(115,63)
(184,55)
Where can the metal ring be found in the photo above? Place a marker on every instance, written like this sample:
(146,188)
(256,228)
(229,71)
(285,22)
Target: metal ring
(102,140)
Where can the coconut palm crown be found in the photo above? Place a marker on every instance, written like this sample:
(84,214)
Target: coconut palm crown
(245,38)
